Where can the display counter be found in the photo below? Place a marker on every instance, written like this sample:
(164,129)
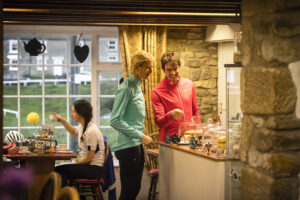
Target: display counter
(186,173)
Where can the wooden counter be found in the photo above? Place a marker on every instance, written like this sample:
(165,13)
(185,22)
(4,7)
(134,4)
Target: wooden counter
(187,149)
(186,173)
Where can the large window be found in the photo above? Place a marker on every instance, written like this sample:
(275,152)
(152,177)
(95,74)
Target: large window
(49,82)
(108,84)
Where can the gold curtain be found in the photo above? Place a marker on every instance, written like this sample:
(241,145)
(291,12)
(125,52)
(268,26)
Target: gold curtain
(152,39)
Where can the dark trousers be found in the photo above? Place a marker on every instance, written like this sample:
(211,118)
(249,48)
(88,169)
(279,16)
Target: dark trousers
(76,171)
(131,162)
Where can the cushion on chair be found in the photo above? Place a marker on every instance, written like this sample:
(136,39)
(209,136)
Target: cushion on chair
(153,171)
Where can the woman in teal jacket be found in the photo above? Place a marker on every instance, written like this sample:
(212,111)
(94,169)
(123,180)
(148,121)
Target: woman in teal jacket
(128,116)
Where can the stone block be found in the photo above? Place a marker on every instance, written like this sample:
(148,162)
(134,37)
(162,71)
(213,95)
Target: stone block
(195,45)
(258,7)
(184,72)
(214,100)
(286,140)
(258,185)
(215,108)
(266,140)
(284,164)
(201,92)
(205,73)
(196,63)
(264,92)
(255,185)
(188,54)
(209,84)
(282,122)
(213,48)
(205,109)
(181,45)
(201,54)
(213,92)
(194,74)
(206,100)
(281,49)
(209,61)
(214,72)
(247,129)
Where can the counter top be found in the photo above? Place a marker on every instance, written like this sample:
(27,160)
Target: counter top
(186,148)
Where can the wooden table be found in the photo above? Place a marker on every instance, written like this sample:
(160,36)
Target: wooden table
(42,165)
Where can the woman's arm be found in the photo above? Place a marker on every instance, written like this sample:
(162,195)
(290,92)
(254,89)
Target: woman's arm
(71,129)
(117,120)
(162,118)
(88,159)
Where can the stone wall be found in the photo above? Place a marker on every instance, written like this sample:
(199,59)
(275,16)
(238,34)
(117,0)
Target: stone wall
(200,65)
(270,142)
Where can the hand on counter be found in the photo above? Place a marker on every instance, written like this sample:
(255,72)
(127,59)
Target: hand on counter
(147,140)
(177,113)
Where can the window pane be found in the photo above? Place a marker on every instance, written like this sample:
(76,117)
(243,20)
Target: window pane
(31,80)
(106,105)
(61,135)
(108,50)
(10,49)
(28,132)
(30,105)
(109,83)
(55,80)
(56,52)
(25,57)
(80,81)
(10,81)
(110,133)
(10,112)
(74,42)
(58,105)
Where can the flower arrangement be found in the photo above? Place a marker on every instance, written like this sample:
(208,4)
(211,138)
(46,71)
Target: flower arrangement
(33,118)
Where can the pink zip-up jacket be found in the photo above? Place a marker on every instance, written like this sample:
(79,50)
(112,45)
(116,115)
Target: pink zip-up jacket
(167,96)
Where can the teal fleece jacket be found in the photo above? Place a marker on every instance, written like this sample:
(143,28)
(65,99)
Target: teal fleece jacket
(128,114)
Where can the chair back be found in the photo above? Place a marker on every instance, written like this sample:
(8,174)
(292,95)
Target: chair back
(106,154)
(68,193)
(52,187)
(151,161)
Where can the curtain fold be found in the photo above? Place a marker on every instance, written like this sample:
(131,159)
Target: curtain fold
(152,39)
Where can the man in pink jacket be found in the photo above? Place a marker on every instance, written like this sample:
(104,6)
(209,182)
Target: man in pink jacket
(173,99)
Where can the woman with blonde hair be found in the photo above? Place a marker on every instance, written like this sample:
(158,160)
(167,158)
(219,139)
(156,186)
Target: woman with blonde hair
(128,116)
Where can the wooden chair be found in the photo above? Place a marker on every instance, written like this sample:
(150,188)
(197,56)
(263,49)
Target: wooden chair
(91,187)
(151,160)
(52,187)
(68,193)
(152,165)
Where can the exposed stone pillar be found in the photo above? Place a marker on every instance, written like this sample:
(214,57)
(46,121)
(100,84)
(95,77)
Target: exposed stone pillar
(270,144)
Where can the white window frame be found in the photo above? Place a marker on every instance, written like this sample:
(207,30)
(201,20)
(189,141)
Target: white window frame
(96,66)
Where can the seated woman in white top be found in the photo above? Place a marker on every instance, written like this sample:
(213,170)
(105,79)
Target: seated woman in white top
(91,145)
